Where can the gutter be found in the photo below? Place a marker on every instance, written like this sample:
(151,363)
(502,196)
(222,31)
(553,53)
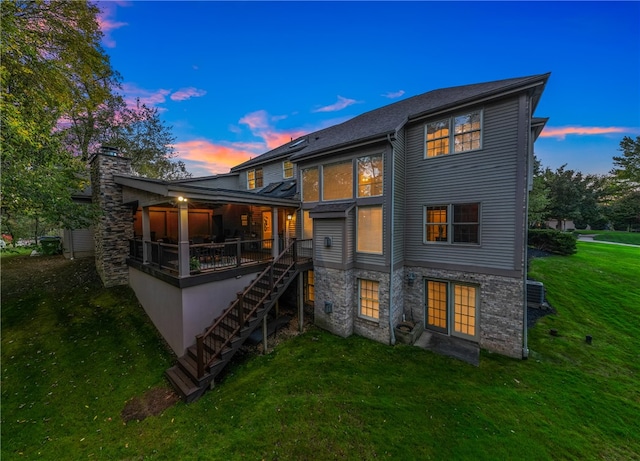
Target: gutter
(392,335)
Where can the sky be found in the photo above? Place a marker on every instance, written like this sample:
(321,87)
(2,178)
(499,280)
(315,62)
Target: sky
(236,79)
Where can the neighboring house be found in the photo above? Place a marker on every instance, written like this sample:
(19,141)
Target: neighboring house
(416,210)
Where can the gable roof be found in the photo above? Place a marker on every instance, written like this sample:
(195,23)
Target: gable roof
(386,120)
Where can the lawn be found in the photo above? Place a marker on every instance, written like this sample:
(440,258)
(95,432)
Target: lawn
(631,238)
(74,354)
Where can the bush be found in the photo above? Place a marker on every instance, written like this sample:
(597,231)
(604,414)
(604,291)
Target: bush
(553,241)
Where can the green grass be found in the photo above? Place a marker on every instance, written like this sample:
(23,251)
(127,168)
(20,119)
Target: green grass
(631,238)
(74,353)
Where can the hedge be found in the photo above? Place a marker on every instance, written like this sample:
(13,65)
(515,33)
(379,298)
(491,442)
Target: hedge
(553,241)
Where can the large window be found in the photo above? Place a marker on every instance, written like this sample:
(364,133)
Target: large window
(370,176)
(310,185)
(463,228)
(254,178)
(369,298)
(337,181)
(452,308)
(369,234)
(466,134)
(287,169)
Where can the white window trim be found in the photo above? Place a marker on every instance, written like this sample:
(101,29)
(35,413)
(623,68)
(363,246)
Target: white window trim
(450,224)
(451,120)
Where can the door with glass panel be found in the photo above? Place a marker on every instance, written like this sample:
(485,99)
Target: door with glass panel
(451,308)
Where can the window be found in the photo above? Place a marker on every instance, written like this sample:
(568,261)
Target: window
(309,287)
(369,232)
(465,227)
(465,136)
(370,176)
(369,298)
(310,185)
(337,181)
(451,308)
(254,178)
(287,169)
(307,225)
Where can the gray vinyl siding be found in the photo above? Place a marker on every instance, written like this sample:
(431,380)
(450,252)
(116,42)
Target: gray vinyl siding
(399,196)
(350,238)
(271,172)
(487,176)
(333,228)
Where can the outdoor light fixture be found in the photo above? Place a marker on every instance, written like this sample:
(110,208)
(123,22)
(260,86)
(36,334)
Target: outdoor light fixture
(182,199)
(289,217)
(411,277)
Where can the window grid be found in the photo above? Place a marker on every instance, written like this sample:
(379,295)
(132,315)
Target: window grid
(464,309)
(254,178)
(437,223)
(287,169)
(466,223)
(466,134)
(369,298)
(309,289)
(437,304)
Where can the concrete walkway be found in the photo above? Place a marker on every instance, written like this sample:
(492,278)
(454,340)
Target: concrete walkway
(590,238)
(450,346)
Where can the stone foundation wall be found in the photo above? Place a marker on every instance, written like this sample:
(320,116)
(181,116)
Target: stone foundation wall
(335,287)
(501,306)
(375,330)
(114,225)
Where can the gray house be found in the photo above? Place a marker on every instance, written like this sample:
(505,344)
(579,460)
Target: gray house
(416,211)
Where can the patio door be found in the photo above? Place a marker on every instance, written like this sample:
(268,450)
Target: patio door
(451,308)
(267,228)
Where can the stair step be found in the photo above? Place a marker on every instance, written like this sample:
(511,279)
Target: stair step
(186,388)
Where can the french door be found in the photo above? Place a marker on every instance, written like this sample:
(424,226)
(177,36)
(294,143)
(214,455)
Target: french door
(451,308)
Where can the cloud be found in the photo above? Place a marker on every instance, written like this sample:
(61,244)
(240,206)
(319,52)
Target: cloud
(214,158)
(107,23)
(261,125)
(187,93)
(562,132)
(339,105)
(393,94)
(150,98)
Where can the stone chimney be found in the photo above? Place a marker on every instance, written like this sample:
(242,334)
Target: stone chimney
(113,227)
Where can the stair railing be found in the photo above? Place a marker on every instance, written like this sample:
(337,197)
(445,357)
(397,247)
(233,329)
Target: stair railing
(217,344)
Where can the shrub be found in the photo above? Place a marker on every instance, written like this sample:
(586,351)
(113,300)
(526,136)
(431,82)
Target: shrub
(562,243)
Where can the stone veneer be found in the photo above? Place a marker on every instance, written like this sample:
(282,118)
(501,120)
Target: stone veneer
(114,225)
(501,306)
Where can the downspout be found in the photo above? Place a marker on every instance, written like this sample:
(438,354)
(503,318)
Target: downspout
(392,334)
(525,344)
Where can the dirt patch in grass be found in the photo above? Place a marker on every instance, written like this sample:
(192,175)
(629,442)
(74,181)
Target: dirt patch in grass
(152,403)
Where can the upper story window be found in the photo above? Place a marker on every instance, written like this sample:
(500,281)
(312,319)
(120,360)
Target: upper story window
(254,178)
(310,191)
(370,174)
(369,229)
(337,181)
(287,169)
(456,134)
(458,223)
(307,225)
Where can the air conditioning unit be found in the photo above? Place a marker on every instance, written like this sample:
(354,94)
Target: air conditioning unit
(535,293)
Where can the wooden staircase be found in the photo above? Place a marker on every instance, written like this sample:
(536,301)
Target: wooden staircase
(195,371)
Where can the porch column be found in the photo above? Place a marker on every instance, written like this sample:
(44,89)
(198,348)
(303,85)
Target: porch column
(146,236)
(276,240)
(183,239)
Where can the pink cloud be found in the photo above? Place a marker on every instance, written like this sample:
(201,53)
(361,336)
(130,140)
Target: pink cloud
(187,93)
(562,132)
(339,105)
(393,94)
(149,97)
(214,158)
(107,23)
(261,125)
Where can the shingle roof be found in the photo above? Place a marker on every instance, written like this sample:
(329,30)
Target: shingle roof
(387,119)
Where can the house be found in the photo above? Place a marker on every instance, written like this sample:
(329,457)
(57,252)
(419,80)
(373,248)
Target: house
(413,211)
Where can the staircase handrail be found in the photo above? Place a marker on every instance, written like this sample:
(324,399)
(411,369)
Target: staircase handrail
(202,366)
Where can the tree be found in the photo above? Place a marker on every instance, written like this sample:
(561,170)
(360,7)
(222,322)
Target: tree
(624,212)
(628,164)
(141,135)
(538,196)
(51,49)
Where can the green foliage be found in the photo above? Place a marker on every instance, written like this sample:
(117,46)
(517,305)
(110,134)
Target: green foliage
(554,241)
(624,213)
(628,164)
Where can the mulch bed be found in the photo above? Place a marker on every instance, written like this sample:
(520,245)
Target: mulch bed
(152,403)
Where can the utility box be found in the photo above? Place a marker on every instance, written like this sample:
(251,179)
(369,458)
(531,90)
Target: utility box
(51,245)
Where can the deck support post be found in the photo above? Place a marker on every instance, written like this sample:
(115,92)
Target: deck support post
(264,335)
(300,300)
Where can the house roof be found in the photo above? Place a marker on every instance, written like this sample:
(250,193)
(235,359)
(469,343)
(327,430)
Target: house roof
(378,123)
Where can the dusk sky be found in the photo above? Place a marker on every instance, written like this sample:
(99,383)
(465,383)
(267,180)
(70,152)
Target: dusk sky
(236,79)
